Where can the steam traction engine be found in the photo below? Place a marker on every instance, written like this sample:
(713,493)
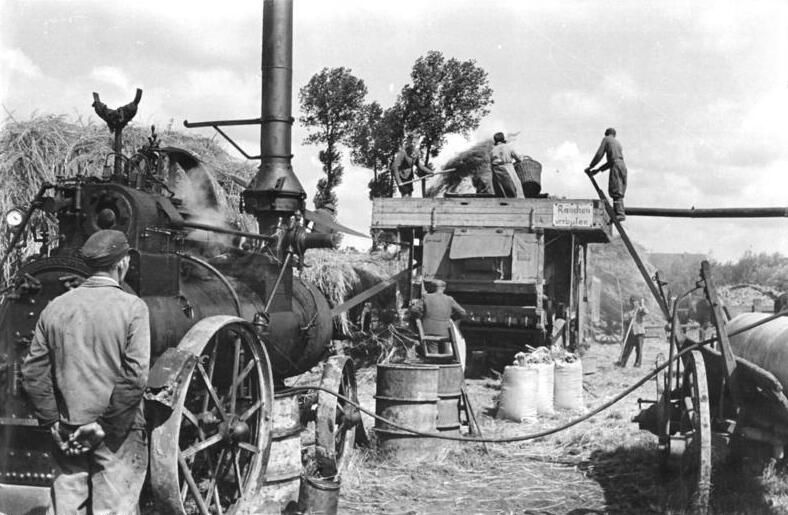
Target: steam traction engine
(224,329)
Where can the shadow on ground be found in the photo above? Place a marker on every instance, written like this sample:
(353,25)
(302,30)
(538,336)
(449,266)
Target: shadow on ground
(633,482)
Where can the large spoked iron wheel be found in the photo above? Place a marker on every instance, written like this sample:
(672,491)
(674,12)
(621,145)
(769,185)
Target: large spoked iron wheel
(695,428)
(337,420)
(210,454)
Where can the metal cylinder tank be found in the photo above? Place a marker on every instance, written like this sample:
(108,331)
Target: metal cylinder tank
(765,345)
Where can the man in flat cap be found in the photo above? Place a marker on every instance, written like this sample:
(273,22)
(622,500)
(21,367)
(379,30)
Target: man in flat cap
(85,375)
(438,309)
(617,180)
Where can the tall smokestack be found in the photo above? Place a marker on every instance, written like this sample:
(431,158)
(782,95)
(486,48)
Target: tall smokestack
(275,191)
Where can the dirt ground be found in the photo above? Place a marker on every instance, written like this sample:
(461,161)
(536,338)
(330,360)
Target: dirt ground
(603,465)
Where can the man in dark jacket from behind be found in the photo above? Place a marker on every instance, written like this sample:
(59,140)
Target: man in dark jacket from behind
(85,375)
(439,309)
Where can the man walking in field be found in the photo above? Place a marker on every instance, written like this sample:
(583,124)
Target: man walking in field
(617,181)
(85,375)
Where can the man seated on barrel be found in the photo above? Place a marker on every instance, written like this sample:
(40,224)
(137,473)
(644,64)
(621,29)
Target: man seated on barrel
(436,310)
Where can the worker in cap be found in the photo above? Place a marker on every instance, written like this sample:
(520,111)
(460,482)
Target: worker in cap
(405,161)
(85,374)
(502,160)
(617,180)
(437,311)
(636,331)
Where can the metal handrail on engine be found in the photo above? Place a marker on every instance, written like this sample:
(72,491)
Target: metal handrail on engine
(217,273)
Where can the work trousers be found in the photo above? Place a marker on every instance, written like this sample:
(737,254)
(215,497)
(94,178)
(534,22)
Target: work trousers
(635,341)
(505,181)
(617,186)
(103,481)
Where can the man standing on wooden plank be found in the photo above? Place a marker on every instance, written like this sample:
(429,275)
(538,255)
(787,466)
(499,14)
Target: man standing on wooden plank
(617,182)
(502,159)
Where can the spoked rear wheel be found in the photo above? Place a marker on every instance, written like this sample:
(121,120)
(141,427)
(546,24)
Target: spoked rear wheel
(209,455)
(695,427)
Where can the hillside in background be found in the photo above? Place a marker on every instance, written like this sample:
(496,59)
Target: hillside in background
(619,279)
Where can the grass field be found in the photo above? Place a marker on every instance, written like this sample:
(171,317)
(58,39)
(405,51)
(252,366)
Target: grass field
(603,465)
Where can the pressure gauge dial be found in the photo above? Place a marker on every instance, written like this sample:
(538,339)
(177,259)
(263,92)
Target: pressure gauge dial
(14,218)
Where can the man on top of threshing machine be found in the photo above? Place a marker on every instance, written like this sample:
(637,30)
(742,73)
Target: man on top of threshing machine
(617,182)
(85,375)
(402,167)
(505,182)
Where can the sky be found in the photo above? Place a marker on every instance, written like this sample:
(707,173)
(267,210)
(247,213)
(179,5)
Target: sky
(697,90)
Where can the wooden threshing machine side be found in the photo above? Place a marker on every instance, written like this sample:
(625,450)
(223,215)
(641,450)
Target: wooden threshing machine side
(511,263)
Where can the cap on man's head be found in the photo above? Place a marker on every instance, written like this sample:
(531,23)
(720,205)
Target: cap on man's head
(610,132)
(439,283)
(104,248)
(498,137)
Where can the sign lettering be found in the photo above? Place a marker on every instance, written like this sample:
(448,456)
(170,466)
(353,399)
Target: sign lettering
(573,214)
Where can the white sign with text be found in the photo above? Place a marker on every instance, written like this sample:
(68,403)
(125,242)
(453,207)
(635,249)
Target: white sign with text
(573,214)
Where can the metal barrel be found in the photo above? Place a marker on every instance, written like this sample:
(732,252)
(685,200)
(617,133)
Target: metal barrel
(318,495)
(450,381)
(282,478)
(407,394)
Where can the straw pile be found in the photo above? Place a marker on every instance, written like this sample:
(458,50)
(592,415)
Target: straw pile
(342,274)
(35,151)
(467,165)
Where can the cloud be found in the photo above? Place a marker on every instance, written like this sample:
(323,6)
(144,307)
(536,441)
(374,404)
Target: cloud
(576,103)
(113,76)
(13,60)
(622,86)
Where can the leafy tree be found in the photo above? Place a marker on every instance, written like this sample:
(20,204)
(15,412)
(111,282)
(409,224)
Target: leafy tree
(331,102)
(376,139)
(445,97)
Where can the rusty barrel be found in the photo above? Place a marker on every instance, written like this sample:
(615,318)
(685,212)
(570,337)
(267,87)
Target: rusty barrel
(450,382)
(407,395)
(282,478)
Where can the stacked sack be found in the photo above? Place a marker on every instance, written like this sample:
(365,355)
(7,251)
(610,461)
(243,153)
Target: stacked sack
(568,381)
(539,382)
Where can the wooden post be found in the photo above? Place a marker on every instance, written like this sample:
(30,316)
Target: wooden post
(571,307)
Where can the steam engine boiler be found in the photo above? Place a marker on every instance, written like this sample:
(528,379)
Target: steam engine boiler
(226,327)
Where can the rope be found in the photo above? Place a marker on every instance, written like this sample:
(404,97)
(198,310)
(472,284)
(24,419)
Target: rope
(546,432)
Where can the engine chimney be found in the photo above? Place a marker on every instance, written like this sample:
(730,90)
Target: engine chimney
(275,191)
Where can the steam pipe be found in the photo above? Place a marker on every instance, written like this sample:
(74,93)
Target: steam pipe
(222,230)
(728,212)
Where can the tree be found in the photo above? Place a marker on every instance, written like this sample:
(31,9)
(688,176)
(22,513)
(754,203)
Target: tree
(445,97)
(377,138)
(331,102)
